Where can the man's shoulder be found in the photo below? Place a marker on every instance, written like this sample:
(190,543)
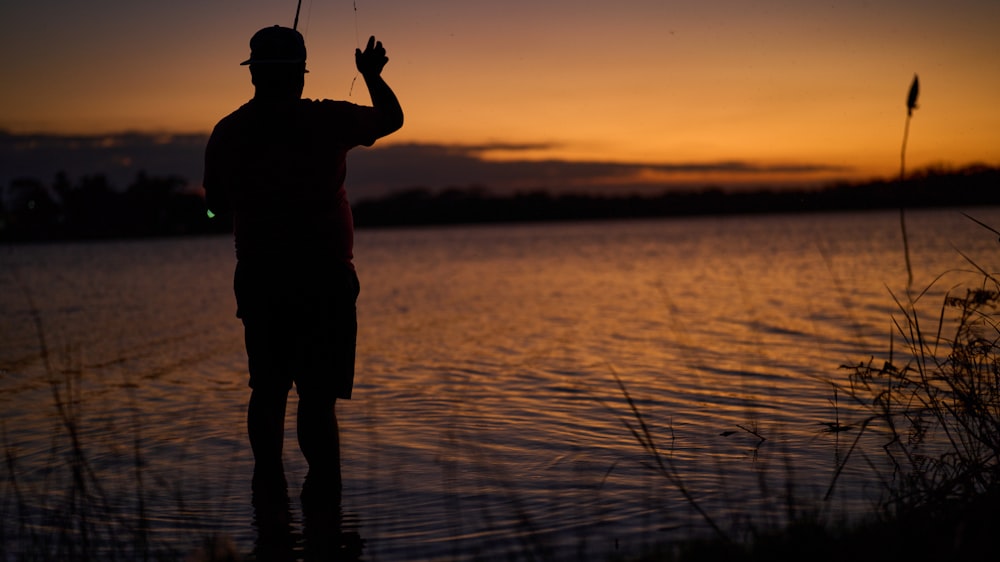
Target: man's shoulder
(328,105)
(237,115)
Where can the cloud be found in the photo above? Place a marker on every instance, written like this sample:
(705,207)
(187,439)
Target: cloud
(440,165)
(119,156)
(385,168)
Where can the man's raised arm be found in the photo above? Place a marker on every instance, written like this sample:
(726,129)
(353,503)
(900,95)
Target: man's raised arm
(370,63)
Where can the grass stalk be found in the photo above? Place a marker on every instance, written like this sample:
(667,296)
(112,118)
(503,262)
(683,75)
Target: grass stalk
(76,519)
(911,104)
(941,409)
(640,431)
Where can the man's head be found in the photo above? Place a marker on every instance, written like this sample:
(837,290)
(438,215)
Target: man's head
(277,62)
(277,45)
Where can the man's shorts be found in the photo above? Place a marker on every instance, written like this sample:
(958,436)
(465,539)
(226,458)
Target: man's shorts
(300,324)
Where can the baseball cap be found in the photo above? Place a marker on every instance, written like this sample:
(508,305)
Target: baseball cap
(277,45)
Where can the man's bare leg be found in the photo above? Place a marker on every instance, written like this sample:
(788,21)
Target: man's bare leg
(319,440)
(266,427)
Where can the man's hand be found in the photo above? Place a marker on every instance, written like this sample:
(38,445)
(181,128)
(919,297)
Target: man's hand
(372,60)
(370,63)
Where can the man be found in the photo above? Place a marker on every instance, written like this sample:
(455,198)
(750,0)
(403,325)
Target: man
(278,165)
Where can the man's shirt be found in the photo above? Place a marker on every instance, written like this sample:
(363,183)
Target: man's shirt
(280,169)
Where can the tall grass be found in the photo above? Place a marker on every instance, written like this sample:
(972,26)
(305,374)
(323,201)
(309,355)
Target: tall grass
(937,399)
(933,407)
(935,402)
(911,104)
(663,463)
(69,511)
(80,503)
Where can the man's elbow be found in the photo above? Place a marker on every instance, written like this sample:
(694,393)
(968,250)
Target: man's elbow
(392,123)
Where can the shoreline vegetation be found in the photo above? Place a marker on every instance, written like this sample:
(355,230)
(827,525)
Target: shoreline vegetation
(155,206)
(933,407)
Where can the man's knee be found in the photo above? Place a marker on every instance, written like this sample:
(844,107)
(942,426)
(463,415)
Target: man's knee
(313,404)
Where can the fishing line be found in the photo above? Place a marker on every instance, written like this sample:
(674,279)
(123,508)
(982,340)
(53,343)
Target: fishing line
(357,32)
(357,43)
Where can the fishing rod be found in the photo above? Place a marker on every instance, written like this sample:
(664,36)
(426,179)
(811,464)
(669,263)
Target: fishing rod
(295,24)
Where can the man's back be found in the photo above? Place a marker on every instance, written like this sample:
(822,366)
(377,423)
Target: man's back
(280,168)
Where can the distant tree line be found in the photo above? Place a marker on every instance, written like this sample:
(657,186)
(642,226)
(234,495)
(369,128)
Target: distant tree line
(93,208)
(163,206)
(932,187)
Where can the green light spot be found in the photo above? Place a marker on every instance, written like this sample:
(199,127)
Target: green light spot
(210,214)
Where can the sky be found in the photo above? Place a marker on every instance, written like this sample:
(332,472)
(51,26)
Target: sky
(728,92)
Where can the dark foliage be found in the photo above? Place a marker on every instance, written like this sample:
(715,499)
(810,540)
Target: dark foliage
(161,206)
(971,186)
(93,208)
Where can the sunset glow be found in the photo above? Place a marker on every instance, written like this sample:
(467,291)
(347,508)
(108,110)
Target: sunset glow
(773,83)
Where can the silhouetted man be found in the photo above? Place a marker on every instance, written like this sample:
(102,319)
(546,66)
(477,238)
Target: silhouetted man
(278,165)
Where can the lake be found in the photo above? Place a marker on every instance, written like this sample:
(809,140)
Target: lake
(487,420)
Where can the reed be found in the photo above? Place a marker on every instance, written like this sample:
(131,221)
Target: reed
(74,507)
(937,400)
(933,407)
(640,431)
(911,104)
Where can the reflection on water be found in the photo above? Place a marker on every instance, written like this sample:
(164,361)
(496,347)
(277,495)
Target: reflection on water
(325,532)
(486,421)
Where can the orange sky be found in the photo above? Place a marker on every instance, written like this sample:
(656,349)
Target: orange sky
(770,82)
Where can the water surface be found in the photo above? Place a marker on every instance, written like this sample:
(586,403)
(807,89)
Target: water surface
(487,419)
